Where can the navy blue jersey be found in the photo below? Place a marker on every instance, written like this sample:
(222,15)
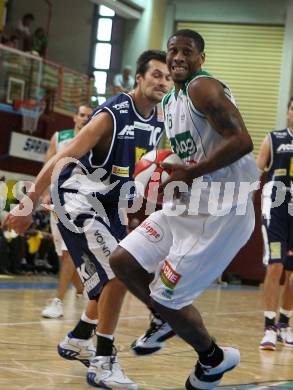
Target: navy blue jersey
(133,136)
(281,165)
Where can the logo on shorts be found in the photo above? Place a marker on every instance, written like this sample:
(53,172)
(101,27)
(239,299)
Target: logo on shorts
(88,273)
(275,248)
(168,276)
(90,267)
(151,230)
(101,241)
(168,293)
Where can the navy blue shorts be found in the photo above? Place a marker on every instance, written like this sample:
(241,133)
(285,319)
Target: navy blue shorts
(90,239)
(278,237)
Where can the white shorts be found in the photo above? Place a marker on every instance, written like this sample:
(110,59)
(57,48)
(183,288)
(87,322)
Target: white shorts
(58,240)
(187,253)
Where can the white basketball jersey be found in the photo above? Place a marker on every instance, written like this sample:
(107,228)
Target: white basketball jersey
(63,137)
(194,139)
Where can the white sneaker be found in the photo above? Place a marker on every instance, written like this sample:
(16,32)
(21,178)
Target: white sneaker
(207,377)
(105,372)
(54,309)
(77,349)
(269,339)
(153,339)
(285,335)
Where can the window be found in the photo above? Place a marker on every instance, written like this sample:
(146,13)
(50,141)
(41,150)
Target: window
(105,11)
(104,29)
(101,56)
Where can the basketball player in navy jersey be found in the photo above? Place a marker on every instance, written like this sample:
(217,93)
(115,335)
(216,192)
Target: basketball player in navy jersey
(276,157)
(119,132)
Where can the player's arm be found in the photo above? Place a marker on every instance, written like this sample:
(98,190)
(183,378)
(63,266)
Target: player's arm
(98,131)
(264,155)
(208,96)
(52,150)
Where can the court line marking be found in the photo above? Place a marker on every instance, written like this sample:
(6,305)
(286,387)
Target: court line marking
(123,318)
(60,321)
(52,373)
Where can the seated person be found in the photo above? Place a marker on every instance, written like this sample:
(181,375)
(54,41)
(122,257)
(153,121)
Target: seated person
(123,82)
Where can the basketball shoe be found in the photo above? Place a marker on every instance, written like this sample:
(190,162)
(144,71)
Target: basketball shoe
(105,372)
(269,339)
(153,339)
(54,309)
(284,334)
(208,377)
(77,349)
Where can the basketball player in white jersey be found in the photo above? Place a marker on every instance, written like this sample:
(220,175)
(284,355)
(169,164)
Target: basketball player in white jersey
(189,251)
(67,272)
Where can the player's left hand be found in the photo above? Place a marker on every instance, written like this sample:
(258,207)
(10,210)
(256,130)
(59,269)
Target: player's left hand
(17,222)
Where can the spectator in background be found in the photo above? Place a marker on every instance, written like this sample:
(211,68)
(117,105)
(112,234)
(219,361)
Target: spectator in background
(39,42)
(22,30)
(10,41)
(123,82)
(4,261)
(41,254)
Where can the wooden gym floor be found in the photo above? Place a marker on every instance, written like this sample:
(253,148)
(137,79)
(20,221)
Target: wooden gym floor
(28,357)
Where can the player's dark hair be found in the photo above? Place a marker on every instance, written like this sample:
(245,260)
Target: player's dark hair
(87,105)
(290,101)
(195,36)
(142,63)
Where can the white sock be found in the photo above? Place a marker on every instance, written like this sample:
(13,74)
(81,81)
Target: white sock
(85,318)
(287,313)
(270,314)
(107,336)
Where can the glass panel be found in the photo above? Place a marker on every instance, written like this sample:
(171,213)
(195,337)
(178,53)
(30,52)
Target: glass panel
(100,81)
(105,11)
(104,29)
(102,55)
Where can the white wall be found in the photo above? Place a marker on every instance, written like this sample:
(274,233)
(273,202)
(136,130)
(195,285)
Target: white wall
(244,11)
(238,11)
(69,40)
(137,35)
(286,81)
(135,3)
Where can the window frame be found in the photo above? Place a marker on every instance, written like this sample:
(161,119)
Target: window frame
(94,42)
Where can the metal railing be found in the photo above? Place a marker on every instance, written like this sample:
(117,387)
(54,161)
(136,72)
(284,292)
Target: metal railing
(24,76)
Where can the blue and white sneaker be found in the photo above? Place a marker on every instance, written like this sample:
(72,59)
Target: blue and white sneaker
(77,349)
(206,377)
(153,340)
(105,372)
(285,334)
(269,339)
